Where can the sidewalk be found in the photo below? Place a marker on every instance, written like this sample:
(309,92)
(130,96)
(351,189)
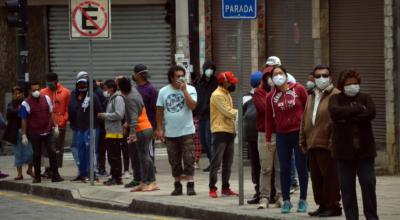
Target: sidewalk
(198,207)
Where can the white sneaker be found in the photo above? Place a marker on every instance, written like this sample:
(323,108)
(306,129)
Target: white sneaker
(126,175)
(263,203)
(196,165)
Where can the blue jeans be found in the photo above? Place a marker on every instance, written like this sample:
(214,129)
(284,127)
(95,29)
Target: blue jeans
(83,146)
(74,148)
(285,144)
(293,179)
(205,137)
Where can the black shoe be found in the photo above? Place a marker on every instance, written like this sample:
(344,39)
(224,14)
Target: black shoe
(57,179)
(190,189)
(316,212)
(331,212)
(178,189)
(255,200)
(78,178)
(36,180)
(47,173)
(207,169)
(113,181)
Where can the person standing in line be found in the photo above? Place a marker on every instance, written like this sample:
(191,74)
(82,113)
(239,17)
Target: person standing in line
(115,112)
(13,134)
(283,113)
(223,130)
(194,79)
(310,84)
(38,123)
(141,133)
(59,96)
(205,87)
(315,140)
(353,144)
(175,127)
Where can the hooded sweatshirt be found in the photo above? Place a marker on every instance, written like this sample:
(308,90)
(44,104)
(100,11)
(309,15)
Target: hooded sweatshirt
(204,90)
(284,110)
(114,115)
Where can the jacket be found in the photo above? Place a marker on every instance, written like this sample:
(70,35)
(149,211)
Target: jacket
(79,112)
(284,110)
(60,100)
(352,136)
(115,112)
(259,98)
(39,115)
(204,89)
(222,113)
(14,123)
(135,112)
(320,134)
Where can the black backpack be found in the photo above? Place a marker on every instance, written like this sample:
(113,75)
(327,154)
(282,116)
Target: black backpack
(249,120)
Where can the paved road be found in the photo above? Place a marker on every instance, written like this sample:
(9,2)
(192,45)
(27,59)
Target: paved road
(17,206)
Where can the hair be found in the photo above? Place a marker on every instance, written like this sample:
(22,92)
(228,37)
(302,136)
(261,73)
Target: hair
(346,74)
(124,85)
(34,83)
(172,70)
(110,84)
(321,67)
(51,77)
(278,67)
(16,88)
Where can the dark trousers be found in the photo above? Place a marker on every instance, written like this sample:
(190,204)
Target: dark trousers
(143,147)
(102,151)
(364,169)
(205,137)
(324,179)
(37,142)
(255,164)
(285,143)
(113,146)
(222,143)
(58,145)
(125,154)
(134,156)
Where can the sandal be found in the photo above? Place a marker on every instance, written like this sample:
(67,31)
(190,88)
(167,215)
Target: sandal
(137,188)
(153,186)
(30,173)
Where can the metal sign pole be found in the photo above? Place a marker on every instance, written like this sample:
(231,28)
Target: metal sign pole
(240,104)
(91,128)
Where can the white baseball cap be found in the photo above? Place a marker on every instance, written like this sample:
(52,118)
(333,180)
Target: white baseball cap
(273,61)
(82,74)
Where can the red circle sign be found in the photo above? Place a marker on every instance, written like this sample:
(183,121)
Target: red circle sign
(98,30)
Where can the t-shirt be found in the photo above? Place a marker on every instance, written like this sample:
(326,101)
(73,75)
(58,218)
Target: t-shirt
(178,117)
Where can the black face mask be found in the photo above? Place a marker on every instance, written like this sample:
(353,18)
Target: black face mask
(231,88)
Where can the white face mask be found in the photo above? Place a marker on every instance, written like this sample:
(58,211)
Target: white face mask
(310,85)
(106,94)
(322,82)
(352,90)
(36,94)
(209,72)
(279,79)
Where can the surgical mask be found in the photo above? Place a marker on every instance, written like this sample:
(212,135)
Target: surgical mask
(106,94)
(352,90)
(270,83)
(36,94)
(209,72)
(51,85)
(310,85)
(231,88)
(323,82)
(279,79)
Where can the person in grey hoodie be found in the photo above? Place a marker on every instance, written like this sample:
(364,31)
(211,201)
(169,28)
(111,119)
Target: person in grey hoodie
(115,112)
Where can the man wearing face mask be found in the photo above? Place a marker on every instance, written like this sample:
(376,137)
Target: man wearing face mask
(38,123)
(223,117)
(310,85)
(315,138)
(353,144)
(205,87)
(59,96)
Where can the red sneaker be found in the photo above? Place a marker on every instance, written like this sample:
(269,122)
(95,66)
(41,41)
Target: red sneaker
(228,192)
(213,193)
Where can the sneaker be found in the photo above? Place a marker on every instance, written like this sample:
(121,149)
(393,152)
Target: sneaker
(316,212)
(228,192)
(294,188)
(47,173)
(287,205)
(3,175)
(126,175)
(278,202)
(57,179)
(190,189)
(112,181)
(330,212)
(131,184)
(213,193)
(207,169)
(36,180)
(103,173)
(196,165)
(302,206)
(263,203)
(254,200)
(178,189)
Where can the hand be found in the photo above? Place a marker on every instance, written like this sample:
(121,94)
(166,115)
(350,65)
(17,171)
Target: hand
(160,134)
(100,115)
(269,146)
(303,148)
(56,132)
(131,138)
(182,86)
(24,140)
(125,128)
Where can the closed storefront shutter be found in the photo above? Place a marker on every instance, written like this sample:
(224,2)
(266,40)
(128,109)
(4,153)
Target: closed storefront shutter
(288,34)
(356,41)
(139,35)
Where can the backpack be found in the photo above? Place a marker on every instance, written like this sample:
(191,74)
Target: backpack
(249,120)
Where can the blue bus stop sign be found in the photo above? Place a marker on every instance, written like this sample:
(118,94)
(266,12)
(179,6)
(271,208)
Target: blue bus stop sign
(239,9)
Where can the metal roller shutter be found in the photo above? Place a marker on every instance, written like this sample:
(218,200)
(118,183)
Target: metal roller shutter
(357,41)
(224,40)
(289,35)
(139,35)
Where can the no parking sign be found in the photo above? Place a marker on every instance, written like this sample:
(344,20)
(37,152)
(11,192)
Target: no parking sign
(89,19)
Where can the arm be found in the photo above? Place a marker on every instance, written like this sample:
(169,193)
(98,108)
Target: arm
(303,138)
(159,119)
(369,110)
(269,119)
(190,101)
(259,100)
(223,106)
(342,112)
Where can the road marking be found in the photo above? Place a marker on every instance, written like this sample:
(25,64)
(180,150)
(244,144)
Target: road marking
(53,203)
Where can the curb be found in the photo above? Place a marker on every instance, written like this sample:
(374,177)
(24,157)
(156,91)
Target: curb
(136,206)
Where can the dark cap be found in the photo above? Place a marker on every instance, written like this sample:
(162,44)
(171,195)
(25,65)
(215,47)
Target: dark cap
(140,68)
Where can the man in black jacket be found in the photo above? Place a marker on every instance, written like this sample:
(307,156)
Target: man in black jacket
(205,87)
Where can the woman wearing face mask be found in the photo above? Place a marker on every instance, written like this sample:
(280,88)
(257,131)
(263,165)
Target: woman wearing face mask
(353,144)
(283,113)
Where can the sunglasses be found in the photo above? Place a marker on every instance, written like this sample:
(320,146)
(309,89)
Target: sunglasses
(319,76)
